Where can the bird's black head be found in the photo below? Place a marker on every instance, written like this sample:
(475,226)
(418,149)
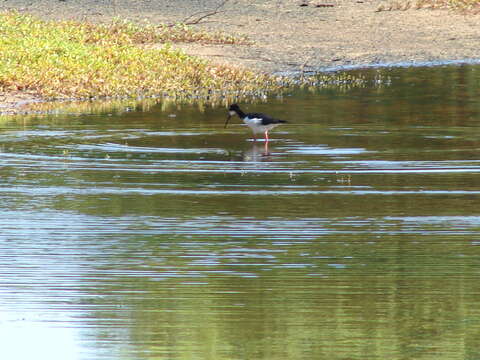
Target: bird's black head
(234,107)
(232,110)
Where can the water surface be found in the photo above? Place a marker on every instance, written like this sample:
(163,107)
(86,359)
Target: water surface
(161,235)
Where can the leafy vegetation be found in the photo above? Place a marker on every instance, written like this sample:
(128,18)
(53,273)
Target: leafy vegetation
(70,59)
(469,6)
(464,5)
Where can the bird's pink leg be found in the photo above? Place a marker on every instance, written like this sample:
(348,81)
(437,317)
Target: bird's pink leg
(266,136)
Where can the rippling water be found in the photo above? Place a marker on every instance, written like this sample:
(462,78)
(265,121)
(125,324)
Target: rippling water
(160,234)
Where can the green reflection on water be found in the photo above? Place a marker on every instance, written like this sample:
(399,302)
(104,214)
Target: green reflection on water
(155,233)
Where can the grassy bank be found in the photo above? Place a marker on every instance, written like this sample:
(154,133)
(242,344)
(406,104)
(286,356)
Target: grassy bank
(58,60)
(462,6)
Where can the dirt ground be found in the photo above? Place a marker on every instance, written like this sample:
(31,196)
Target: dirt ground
(289,37)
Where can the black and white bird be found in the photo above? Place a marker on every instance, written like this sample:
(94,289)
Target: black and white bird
(259,123)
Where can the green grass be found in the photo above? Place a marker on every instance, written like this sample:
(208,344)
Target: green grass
(463,6)
(58,60)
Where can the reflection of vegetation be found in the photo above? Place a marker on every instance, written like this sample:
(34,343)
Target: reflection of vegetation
(404,297)
(118,106)
(337,80)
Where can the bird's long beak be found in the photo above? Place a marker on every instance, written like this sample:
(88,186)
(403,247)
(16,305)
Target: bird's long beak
(228,118)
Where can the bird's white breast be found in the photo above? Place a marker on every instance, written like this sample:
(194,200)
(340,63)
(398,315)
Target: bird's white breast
(252,121)
(255,124)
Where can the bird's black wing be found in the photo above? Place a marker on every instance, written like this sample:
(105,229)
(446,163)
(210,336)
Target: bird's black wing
(266,120)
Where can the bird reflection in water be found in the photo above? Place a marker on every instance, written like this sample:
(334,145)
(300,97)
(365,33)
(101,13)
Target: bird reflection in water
(257,152)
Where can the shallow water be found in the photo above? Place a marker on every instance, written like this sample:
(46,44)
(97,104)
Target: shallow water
(160,234)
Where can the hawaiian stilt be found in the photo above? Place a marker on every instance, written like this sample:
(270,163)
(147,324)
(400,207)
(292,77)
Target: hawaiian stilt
(259,123)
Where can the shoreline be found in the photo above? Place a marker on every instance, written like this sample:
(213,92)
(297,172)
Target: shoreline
(13,106)
(288,38)
(433,63)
